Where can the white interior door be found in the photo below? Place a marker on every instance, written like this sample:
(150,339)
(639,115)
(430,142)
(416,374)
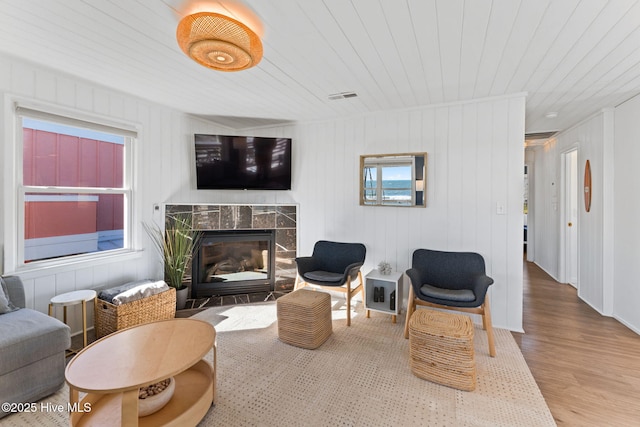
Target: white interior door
(571,217)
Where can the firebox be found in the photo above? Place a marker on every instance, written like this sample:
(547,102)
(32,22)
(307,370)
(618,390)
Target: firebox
(234,262)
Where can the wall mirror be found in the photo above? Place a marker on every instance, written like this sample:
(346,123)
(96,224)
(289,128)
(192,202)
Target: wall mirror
(393,179)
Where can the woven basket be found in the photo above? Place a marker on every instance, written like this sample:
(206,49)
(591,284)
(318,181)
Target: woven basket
(110,318)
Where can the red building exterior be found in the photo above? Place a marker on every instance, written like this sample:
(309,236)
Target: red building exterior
(52,159)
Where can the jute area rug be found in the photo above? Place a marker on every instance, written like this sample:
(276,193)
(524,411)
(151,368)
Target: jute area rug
(359,377)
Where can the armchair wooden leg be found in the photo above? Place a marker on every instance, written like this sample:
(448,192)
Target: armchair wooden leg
(348,302)
(411,306)
(487,325)
(296,284)
(361,286)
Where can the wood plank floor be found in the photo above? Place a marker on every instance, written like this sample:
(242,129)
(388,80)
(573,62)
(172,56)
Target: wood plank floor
(586,365)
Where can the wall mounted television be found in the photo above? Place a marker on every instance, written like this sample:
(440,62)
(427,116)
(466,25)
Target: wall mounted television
(242,162)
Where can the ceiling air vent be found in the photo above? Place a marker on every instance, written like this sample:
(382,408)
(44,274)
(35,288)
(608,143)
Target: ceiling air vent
(540,135)
(537,138)
(342,95)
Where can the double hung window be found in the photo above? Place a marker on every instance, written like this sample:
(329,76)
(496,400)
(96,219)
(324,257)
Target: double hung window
(74,187)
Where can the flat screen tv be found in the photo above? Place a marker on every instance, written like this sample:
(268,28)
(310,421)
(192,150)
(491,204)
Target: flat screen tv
(242,162)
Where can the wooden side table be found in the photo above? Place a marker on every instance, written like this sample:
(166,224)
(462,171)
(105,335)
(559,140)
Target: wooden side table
(72,298)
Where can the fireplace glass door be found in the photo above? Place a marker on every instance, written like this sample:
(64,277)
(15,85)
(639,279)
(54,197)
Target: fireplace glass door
(233,263)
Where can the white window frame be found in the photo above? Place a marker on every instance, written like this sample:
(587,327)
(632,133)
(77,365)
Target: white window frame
(15,190)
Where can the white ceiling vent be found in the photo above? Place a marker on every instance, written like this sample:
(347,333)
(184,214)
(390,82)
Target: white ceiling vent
(537,138)
(342,95)
(540,135)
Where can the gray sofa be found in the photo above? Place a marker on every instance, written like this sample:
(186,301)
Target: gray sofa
(32,350)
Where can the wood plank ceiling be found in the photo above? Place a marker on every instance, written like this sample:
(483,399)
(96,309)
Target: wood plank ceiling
(572,57)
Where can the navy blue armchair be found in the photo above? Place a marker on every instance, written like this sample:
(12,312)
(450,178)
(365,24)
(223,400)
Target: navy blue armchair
(333,265)
(452,280)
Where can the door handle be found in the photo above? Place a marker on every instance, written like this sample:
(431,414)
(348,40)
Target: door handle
(570,224)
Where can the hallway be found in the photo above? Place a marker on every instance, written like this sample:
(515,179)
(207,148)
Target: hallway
(586,365)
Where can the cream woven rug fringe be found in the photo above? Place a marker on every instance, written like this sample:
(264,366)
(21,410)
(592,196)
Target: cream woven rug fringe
(359,377)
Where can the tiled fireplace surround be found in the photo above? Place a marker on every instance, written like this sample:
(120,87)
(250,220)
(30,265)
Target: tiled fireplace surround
(281,218)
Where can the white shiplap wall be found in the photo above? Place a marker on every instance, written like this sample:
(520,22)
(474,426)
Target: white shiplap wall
(475,162)
(626,229)
(161,157)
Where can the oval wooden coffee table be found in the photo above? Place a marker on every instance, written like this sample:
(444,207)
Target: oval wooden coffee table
(112,369)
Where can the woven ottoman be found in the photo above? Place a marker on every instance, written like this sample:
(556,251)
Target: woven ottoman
(441,348)
(304,318)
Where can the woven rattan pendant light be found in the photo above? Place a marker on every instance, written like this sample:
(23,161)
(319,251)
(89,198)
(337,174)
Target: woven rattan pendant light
(219,42)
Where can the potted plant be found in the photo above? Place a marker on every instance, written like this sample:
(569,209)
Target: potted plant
(176,245)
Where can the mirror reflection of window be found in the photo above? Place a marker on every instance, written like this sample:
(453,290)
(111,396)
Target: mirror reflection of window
(370,185)
(392,180)
(396,185)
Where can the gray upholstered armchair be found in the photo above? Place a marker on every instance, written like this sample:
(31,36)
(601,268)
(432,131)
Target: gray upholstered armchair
(451,280)
(333,265)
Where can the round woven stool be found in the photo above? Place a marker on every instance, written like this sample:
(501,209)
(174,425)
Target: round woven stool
(441,348)
(304,318)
